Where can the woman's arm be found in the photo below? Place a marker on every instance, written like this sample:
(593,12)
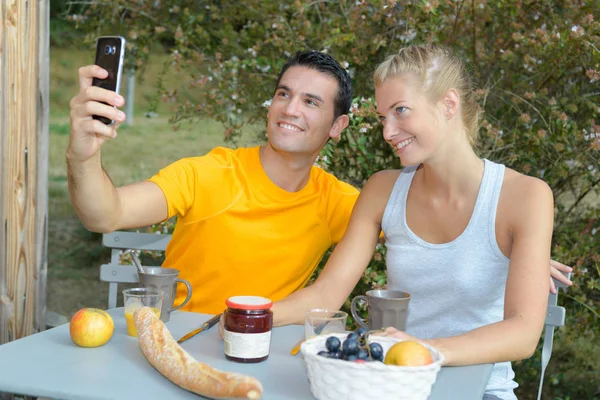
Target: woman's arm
(531,218)
(348,260)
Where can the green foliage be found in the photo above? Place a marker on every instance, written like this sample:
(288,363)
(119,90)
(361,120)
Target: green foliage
(62,32)
(537,64)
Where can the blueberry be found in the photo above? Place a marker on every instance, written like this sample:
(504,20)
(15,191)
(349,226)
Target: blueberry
(350,347)
(376,351)
(333,344)
(352,336)
(323,353)
(361,331)
(351,358)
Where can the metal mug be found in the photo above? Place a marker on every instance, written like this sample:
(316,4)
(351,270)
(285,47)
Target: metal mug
(165,279)
(385,308)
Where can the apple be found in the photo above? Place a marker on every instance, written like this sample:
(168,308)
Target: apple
(91,327)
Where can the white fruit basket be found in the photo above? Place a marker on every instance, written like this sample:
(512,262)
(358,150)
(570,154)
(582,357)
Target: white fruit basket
(332,379)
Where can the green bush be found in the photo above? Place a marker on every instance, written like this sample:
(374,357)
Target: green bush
(537,64)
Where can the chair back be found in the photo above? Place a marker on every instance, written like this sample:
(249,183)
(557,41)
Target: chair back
(555,317)
(118,241)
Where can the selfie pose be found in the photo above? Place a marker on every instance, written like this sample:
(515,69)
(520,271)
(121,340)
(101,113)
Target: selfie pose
(467,238)
(252,220)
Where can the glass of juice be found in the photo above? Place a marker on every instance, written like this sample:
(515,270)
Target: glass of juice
(323,322)
(140,297)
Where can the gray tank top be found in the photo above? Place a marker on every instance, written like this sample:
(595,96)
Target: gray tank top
(455,287)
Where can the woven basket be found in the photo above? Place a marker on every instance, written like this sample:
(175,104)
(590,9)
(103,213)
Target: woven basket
(332,379)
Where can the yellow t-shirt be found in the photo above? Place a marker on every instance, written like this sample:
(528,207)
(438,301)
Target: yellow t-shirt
(238,233)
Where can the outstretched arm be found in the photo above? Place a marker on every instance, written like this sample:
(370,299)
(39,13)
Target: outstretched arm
(99,204)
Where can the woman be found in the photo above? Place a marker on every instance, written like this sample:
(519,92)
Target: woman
(467,238)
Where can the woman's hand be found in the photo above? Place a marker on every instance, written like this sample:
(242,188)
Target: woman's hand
(556,270)
(393,332)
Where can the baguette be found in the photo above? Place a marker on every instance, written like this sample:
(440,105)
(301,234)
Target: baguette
(175,364)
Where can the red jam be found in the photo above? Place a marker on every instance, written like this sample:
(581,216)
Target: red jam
(248,324)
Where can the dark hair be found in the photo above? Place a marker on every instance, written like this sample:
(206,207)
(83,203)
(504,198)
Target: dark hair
(326,64)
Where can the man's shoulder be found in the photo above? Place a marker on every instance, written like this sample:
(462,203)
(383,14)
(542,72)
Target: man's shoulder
(329,182)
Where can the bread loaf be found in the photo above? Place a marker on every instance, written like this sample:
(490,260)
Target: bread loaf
(167,356)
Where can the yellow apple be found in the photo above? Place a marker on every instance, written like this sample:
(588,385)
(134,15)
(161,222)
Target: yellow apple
(91,327)
(408,353)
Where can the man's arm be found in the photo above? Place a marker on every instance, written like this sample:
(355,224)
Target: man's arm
(101,206)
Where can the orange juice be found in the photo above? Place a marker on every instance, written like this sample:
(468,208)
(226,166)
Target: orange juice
(131,329)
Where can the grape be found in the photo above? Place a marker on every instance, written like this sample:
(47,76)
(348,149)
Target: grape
(361,331)
(350,347)
(355,348)
(333,344)
(376,351)
(363,355)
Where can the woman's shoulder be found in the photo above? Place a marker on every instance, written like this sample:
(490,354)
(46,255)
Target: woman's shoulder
(383,179)
(376,192)
(523,194)
(520,185)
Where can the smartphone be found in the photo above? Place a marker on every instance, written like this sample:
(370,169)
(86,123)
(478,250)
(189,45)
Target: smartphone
(109,55)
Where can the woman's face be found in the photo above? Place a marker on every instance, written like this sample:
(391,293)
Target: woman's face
(411,123)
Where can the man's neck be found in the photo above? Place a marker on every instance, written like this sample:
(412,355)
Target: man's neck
(290,172)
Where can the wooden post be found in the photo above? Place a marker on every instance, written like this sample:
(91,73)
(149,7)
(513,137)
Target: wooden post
(130,96)
(24,80)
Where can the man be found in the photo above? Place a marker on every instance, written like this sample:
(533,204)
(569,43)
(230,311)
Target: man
(251,221)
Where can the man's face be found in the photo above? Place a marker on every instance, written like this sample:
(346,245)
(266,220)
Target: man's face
(300,118)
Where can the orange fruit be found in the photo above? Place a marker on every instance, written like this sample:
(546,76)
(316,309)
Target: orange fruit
(408,353)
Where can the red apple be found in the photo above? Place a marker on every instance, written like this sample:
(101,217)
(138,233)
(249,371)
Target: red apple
(91,327)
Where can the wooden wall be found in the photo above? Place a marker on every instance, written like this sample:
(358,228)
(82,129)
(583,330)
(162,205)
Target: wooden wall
(24,80)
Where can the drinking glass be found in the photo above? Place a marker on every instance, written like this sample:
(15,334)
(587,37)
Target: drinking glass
(141,297)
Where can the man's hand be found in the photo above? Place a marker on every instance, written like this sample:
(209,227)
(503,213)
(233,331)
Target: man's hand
(555,272)
(88,134)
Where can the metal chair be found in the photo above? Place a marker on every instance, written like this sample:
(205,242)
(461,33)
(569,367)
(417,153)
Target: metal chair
(116,273)
(555,317)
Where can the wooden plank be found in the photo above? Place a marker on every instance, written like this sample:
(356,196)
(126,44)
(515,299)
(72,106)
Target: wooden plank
(24,139)
(26,284)
(43,148)
(12,181)
(3,227)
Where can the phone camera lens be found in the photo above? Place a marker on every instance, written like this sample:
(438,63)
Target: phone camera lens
(108,49)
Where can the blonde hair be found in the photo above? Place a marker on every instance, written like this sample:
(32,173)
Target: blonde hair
(438,70)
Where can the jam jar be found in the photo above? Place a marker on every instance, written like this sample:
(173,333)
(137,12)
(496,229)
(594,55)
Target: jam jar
(247,333)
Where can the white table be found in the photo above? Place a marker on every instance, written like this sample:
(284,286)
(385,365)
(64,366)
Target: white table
(48,364)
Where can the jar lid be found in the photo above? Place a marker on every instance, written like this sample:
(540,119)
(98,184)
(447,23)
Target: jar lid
(249,303)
